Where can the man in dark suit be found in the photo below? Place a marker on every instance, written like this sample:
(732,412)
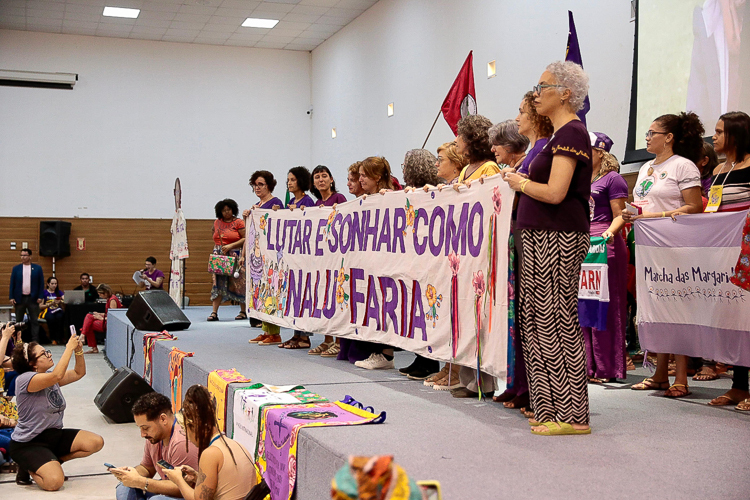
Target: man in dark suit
(26,291)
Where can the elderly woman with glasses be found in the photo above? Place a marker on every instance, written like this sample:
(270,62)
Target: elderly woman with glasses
(263,184)
(40,444)
(508,144)
(553,224)
(449,163)
(668,185)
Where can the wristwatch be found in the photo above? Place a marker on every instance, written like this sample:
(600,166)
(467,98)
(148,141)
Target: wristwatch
(145,487)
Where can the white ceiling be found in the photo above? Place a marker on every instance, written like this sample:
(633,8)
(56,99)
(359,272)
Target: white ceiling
(304,24)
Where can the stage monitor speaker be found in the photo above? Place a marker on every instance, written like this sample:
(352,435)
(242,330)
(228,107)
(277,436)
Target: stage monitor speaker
(54,238)
(154,311)
(118,395)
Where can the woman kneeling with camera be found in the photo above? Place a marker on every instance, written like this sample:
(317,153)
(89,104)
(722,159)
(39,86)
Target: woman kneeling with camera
(39,443)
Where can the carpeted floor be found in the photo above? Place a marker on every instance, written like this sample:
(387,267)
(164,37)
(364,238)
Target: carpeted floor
(641,443)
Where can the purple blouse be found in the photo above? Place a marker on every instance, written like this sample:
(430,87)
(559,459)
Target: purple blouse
(306,201)
(332,200)
(270,203)
(538,146)
(610,187)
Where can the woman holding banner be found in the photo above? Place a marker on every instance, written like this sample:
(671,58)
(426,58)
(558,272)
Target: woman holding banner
(263,184)
(553,222)
(324,189)
(605,348)
(510,147)
(374,176)
(668,185)
(732,137)
(473,143)
(297,183)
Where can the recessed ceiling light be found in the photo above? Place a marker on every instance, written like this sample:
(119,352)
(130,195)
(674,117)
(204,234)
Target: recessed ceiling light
(121,12)
(252,22)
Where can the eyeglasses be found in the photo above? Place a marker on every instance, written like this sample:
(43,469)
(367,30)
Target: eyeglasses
(651,133)
(47,353)
(258,186)
(440,158)
(537,89)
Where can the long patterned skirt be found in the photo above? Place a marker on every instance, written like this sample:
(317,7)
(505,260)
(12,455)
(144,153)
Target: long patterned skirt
(551,335)
(229,288)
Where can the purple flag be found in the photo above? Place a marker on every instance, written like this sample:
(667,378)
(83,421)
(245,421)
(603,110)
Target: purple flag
(573,53)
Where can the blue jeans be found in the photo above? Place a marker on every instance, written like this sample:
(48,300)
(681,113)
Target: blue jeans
(125,493)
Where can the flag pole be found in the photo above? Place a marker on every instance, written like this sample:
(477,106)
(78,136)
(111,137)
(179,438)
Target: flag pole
(433,126)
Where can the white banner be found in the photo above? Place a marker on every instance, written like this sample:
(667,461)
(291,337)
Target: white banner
(686,302)
(412,270)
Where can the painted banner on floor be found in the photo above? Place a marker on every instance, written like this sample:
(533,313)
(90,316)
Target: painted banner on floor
(686,302)
(280,426)
(424,271)
(249,404)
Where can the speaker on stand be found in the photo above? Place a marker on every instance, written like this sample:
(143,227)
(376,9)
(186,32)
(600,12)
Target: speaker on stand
(154,311)
(54,238)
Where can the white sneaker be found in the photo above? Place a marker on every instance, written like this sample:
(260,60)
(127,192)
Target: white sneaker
(375,362)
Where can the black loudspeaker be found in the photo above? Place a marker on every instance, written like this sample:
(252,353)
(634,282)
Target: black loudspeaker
(118,395)
(54,238)
(154,311)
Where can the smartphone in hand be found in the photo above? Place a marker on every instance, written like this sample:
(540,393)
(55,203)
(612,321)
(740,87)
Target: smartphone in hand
(109,466)
(164,464)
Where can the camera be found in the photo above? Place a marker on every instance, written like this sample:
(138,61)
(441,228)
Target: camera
(20,325)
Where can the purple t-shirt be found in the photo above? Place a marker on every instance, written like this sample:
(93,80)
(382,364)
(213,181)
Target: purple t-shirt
(270,203)
(604,189)
(37,411)
(332,200)
(154,275)
(306,201)
(572,213)
(538,145)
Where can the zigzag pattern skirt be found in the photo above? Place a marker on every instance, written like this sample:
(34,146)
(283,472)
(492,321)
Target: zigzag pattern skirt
(551,335)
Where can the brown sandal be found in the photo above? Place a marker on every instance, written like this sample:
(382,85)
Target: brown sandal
(677,391)
(724,400)
(650,384)
(744,405)
(705,374)
(298,344)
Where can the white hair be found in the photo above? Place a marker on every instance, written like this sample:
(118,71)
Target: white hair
(572,77)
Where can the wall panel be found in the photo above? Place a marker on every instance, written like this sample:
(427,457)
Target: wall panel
(115,249)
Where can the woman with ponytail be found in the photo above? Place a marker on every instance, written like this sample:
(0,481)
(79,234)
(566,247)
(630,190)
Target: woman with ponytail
(225,470)
(669,185)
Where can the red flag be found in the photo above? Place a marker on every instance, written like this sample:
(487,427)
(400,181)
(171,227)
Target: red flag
(461,99)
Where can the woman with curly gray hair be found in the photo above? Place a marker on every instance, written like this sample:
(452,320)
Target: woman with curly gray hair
(419,168)
(553,222)
(508,144)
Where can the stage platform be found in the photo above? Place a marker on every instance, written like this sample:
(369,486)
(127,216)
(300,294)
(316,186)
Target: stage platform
(641,443)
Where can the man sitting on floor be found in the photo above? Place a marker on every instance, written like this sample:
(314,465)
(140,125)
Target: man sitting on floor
(165,440)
